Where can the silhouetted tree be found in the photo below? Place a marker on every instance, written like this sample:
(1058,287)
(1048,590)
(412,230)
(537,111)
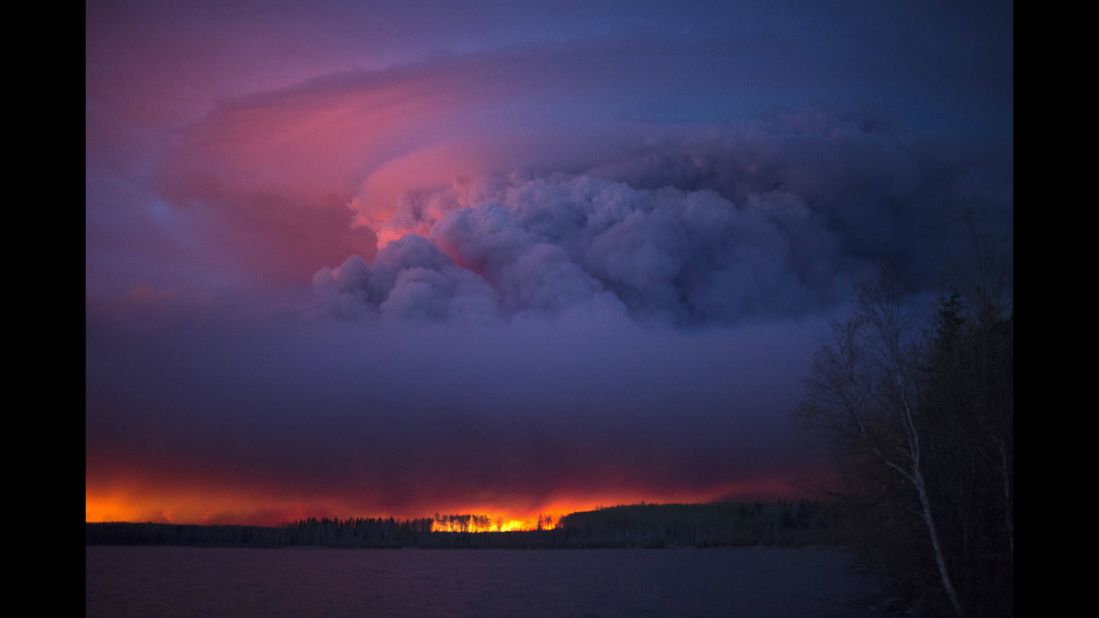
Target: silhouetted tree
(917,407)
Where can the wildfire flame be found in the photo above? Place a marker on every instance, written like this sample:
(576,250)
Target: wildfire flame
(484,523)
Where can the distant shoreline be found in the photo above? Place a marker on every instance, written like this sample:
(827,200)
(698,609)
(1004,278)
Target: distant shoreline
(669,526)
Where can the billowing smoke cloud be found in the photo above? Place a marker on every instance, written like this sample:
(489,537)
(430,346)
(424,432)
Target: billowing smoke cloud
(301,177)
(549,244)
(775,220)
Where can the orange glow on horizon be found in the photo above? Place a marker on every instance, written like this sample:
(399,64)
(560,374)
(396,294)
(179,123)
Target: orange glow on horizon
(201,506)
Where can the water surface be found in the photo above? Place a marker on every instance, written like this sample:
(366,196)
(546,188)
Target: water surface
(741,582)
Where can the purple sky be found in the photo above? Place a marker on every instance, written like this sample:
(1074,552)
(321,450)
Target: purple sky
(373,258)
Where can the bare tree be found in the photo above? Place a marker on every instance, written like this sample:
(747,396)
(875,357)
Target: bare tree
(863,395)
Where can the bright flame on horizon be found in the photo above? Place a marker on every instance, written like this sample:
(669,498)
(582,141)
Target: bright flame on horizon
(484,523)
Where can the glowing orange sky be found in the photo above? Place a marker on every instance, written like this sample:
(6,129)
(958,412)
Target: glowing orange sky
(136,504)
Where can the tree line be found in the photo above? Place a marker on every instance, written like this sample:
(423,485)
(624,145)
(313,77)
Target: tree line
(645,525)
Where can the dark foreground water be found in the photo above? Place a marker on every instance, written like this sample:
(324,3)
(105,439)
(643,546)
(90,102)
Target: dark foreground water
(740,582)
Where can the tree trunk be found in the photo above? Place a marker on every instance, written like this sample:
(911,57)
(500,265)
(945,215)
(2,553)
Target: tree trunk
(944,575)
(1005,472)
